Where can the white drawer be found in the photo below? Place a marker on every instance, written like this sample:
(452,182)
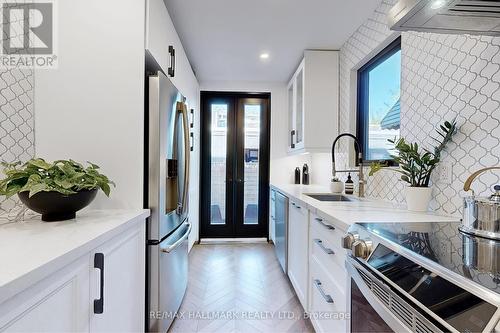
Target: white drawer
(327,230)
(329,256)
(327,301)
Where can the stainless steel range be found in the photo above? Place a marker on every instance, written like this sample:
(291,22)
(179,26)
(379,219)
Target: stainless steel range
(422,277)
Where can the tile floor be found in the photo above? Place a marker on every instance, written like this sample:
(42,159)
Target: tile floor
(239,288)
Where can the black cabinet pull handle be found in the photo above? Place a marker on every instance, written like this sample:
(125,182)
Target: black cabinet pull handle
(171,69)
(292,133)
(99,263)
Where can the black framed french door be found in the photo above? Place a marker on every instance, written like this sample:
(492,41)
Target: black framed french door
(234,185)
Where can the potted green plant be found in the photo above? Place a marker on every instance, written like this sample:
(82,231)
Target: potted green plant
(416,165)
(56,190)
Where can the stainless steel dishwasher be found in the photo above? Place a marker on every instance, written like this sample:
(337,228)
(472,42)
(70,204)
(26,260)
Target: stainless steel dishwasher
(281,228)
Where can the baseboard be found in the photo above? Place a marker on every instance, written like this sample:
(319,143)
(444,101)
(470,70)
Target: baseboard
(232,240)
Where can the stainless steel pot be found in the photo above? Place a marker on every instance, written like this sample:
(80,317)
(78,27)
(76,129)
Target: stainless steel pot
(481,254)
(481,216)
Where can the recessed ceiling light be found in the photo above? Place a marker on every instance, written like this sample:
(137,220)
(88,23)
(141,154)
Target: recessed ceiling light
(264,55)
(436,4)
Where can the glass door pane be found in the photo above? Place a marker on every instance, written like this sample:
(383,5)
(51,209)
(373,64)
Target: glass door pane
(251,164)
(218,161)
(299,106)
(290,117)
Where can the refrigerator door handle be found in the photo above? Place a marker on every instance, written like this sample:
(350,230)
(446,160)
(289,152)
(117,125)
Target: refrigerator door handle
(178,242)
(183,112)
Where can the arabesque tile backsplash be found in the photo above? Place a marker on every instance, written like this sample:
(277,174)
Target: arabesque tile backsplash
(17,123)
(443,76)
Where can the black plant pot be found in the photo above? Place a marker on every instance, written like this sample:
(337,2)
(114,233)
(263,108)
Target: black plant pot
(55,206)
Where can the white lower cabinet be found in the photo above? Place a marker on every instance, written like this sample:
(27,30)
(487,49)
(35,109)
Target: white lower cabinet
(327,277)
(59,303)
(124,284)
(327,303)
(64,301)
(298,253)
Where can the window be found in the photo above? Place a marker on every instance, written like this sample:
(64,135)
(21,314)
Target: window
(379,87)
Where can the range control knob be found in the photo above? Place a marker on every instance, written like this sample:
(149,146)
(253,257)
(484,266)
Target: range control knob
(349,239)
(362,248)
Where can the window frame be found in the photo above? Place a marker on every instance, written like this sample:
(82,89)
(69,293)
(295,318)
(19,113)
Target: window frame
(362,92)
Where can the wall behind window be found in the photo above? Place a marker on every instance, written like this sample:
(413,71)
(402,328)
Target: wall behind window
(443,76)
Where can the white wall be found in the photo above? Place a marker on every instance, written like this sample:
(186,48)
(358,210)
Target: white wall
(91,108)
(96,96)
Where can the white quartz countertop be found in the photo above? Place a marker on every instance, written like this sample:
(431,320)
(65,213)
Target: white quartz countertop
(360,210)
(31,250)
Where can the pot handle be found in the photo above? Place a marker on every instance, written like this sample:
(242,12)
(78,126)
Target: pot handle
(471,178)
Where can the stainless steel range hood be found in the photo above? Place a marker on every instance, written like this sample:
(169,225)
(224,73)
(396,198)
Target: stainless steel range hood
(478,17)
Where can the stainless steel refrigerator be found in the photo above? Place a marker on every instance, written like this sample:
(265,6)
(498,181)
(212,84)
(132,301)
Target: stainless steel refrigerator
(166,194)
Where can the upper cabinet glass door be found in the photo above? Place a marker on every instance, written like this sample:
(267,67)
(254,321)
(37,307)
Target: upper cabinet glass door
(299,108)
(291,122)
(296,111)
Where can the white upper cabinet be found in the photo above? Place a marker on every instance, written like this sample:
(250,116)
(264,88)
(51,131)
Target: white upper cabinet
(313,103)
(163,42)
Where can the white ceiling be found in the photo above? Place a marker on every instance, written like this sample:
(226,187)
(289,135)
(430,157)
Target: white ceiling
(224,38)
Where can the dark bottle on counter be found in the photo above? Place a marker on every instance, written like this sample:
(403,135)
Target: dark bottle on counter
(305,174)
(297,175)
(349,185)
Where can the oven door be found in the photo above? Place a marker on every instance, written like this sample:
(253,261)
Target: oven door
(370,303)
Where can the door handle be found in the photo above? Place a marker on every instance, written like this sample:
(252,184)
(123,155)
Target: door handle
(292,133)
(171,69)
(182,112)
(319,242)
(326,297)
(99,264)
(328,226)
(177,242)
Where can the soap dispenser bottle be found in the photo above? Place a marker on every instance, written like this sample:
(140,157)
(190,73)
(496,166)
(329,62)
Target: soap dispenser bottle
(305,174)
(349,185)
(297,175)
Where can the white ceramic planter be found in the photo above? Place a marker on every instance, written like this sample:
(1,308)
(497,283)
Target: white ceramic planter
(418,198)
(336,187)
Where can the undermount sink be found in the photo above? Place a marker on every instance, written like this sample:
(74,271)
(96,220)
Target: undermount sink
(330,197)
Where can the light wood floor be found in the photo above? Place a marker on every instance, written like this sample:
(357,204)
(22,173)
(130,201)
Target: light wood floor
(239,288)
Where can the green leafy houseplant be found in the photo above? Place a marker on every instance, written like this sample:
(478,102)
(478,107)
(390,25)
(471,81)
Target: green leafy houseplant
(63,176)
(416,165)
